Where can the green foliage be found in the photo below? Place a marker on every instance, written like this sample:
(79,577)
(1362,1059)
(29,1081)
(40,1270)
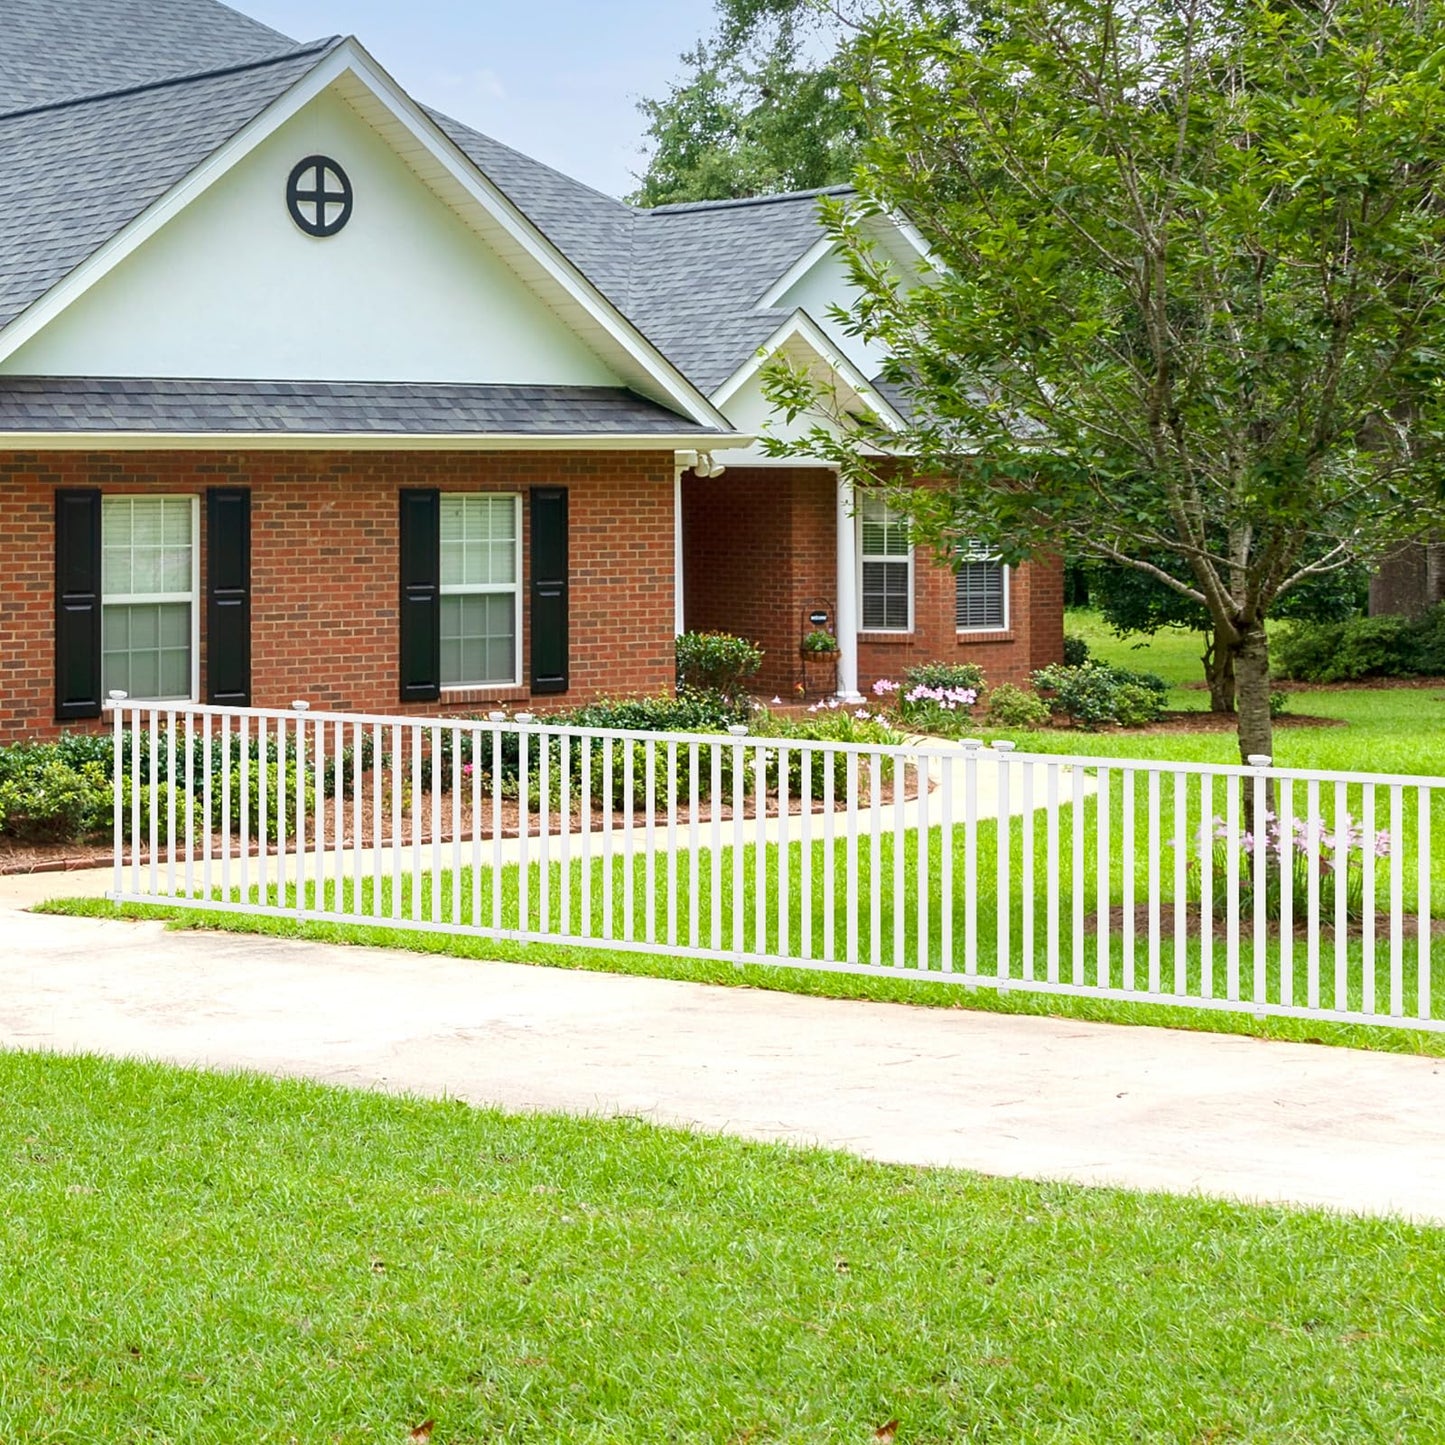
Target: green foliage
(819,641)
(43,799)
(693,712)
(955,676)
(715,663)
(1095,694)
(1362,647)
(1012,707)
(1187,314)
(1076,650)
(827,724)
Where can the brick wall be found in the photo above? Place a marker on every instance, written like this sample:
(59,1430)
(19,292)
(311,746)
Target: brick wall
(759,549)
(324,567)
(758,555)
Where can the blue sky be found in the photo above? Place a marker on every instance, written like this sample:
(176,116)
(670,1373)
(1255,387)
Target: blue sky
(559,79)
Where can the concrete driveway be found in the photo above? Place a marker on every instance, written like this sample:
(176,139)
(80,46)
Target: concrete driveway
(1037,1098)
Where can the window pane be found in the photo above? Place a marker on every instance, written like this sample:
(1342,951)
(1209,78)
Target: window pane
(980,596)
(885,596)
(478,540)
(479,639)
(885,533)
(146,649)
(147,545)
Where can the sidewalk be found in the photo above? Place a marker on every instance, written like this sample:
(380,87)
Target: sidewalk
(1038,1098)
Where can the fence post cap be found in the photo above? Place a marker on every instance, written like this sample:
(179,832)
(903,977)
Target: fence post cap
(301,706)
(1003,745)
(738,730)
(116,696)
(971,745)
(497,716)
(526,717)
(1259,760)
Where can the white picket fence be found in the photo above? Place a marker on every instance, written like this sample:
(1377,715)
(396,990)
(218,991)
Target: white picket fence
(1255,889)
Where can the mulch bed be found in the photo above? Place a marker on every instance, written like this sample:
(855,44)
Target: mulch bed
(19,858)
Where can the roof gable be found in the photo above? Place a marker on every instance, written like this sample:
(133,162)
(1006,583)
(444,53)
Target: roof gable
(37,297)
(232,287)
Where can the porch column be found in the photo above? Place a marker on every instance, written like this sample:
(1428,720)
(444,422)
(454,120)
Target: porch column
(847,603)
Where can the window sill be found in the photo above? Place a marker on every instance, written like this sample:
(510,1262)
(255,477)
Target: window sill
(464,696)
(975,638)
(891,635)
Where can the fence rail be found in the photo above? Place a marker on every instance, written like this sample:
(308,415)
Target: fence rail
(1255,889)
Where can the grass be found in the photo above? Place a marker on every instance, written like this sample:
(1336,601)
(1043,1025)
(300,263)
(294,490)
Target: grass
(202,1258)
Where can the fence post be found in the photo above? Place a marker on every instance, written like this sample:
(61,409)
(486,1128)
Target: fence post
(114,701)
(971,747)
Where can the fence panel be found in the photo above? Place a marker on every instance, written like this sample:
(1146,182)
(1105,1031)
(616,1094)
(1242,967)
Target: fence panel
(1255,889)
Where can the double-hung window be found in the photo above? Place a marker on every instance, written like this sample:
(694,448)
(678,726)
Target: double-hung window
(149,585)
(981,591)
(886,567)
(481,590)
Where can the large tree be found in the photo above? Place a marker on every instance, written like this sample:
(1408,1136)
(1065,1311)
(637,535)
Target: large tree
(761,108)
(1188,314)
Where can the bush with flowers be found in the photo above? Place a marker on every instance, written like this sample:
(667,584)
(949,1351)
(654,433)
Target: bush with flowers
(934,697)
(1319,852)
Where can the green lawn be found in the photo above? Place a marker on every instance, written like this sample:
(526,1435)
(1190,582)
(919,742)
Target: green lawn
(196,1258)
(1392,730)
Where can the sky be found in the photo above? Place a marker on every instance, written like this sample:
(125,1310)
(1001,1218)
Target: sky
(558,79)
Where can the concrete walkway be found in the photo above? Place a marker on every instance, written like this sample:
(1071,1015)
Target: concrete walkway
(1038,1098)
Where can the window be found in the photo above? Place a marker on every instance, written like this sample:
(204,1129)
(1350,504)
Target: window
(981,592)
(887,567)
(480,590)
(149,584)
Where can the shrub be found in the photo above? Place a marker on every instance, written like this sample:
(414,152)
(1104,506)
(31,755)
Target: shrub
(43,799)
(1427,638)
(1012,707)
(1096,693)
(829,722)
(955,676)
(1076,650)
(716,663)
(1347,651)
(934,697)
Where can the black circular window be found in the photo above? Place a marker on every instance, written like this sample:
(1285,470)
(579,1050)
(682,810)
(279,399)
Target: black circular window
(319,196)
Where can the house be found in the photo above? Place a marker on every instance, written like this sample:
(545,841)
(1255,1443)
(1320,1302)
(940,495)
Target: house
(307,391)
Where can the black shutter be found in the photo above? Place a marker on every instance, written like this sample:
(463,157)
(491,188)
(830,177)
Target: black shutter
(228,596)
(549,589)
(421,561)
(77,605)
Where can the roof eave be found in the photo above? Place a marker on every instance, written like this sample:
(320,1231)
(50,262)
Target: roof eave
(274,441)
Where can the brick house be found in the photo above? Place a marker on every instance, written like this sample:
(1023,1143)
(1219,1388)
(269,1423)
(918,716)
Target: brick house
(309,391)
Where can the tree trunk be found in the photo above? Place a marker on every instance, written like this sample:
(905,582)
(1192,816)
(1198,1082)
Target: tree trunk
(1250,655)
(1219,671)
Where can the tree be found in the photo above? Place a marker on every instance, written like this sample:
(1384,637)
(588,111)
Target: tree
(762,109)
(1188,314)
(1134,603)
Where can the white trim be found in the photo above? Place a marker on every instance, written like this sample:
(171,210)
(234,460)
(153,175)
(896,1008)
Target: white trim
(800,326)
(679,601)
(774,294)
(141,599)
(882,557)
(419,139)
(270,441)
(844,560)
(492,590)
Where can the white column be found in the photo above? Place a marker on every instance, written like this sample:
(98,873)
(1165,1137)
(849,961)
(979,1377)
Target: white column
(679,619)
(847,604)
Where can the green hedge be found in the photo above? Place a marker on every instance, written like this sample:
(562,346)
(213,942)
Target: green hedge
(1363,647)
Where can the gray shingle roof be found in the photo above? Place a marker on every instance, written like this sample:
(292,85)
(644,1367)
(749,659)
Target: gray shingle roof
(70,178)
(55,49)
(31,404)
